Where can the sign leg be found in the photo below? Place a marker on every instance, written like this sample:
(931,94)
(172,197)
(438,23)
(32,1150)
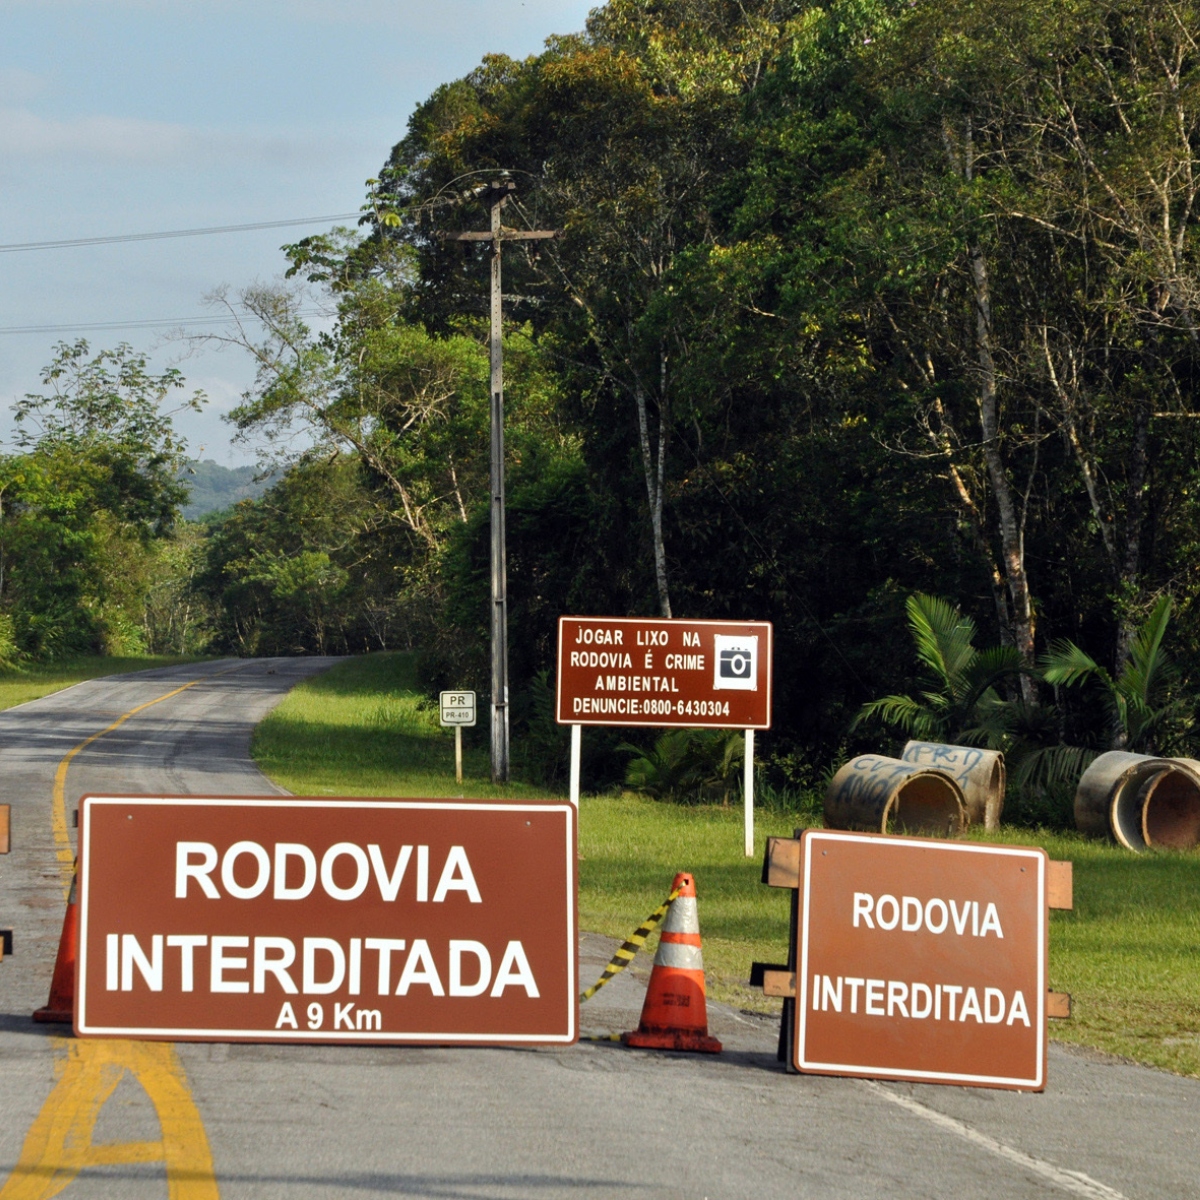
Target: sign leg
(748,791)
(576,751)
(458,754)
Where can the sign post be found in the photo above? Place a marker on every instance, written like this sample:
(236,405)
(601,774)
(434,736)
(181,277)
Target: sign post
(657,672)
(576,756)
(748,793)
(457,709)
(327,920)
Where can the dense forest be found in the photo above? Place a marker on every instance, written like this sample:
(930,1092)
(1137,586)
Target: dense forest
(879,320)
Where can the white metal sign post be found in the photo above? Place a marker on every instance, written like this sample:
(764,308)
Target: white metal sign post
(457,710)
(663,672)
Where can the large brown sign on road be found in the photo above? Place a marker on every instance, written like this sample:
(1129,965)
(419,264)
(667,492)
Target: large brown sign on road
(639,671)
(921,960)
(222,919)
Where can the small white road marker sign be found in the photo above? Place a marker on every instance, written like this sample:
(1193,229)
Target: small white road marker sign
(458,708)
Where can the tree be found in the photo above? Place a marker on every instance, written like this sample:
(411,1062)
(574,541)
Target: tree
(1147,710)
(88,501)
(110,409)
(618,138)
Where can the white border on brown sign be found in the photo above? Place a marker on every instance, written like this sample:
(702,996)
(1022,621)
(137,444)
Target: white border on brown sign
(244,1035)
(657,723)
(811,837)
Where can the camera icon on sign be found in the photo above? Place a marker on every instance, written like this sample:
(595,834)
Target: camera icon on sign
(735,663)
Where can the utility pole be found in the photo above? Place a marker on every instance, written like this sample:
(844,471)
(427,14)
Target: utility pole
(494,196)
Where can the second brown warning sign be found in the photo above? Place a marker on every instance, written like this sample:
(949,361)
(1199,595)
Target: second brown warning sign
(921,960)
(642,671)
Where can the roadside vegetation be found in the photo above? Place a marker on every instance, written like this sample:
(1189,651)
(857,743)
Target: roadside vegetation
(1127,952)
(854,306)
(364,728)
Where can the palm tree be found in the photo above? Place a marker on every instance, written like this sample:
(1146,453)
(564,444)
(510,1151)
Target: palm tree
(1146,713)
(958,701)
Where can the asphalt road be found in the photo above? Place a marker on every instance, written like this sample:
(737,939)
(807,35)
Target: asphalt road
(96,1119)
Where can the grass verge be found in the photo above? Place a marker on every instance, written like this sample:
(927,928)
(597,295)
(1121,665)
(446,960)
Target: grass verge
(33,682)
(1129,952)
(363,729)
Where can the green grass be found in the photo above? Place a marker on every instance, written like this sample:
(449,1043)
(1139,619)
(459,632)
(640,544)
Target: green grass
(32,682)
(630,849)
(1129,952)
(362,729)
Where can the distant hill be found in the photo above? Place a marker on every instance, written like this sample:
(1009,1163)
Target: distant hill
(215,487)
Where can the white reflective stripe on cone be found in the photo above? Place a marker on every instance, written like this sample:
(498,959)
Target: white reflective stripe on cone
(679,954)
(682,916)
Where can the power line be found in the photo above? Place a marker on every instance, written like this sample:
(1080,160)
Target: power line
(67,243)
(150,323)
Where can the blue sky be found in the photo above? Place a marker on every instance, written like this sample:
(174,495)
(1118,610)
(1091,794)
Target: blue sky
(145,116)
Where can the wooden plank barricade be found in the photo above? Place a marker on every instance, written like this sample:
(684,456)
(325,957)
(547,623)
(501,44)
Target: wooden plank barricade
(6,942)
(327,920)
(915,959)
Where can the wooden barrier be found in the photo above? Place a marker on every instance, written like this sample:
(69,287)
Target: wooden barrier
(783,868)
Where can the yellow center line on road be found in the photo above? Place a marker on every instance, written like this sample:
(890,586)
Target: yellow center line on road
(58,805)
(59,1142)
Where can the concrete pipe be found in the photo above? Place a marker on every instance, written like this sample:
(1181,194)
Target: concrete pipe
(1171,807)
(885,795)
(980,774)
(1122,795)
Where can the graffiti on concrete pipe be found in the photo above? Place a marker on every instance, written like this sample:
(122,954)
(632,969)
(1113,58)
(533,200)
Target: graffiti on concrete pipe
(881,795)
(980,773)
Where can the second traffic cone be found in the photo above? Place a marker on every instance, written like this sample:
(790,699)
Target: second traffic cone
(60,1008)
(675,1012)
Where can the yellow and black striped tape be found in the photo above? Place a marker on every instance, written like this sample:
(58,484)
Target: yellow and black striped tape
(626,951)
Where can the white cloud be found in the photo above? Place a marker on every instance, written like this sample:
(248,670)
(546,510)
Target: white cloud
(17,86)
(25,134)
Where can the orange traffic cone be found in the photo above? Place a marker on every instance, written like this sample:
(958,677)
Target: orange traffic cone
(675,1013)
(60,1008)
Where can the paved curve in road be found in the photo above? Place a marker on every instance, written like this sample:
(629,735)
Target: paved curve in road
(590,1120)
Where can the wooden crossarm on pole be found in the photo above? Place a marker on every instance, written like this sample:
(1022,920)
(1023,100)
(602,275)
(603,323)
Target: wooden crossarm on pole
(506,235)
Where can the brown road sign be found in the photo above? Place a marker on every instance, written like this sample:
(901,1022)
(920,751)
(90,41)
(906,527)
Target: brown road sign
(639,671)
(327,920)
(921,960)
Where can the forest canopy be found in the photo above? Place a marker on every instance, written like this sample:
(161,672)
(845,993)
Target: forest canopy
(851,303)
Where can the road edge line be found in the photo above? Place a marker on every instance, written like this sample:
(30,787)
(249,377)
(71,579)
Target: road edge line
(1072,1181)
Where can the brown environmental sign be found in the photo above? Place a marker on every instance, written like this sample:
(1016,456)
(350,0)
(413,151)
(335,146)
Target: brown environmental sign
(642,671)
(921,960)
(327,920)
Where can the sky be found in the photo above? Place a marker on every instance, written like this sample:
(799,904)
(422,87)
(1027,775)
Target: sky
(149,115)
